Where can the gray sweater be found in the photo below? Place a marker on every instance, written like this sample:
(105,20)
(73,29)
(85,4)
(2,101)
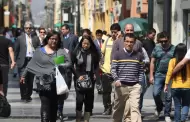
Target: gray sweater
(43,63)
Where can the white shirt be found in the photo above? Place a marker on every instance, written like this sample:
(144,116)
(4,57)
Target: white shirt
(29,46)
(187,56)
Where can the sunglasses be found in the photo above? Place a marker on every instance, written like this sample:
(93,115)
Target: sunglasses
(28,28)
(42,32)
(163,41)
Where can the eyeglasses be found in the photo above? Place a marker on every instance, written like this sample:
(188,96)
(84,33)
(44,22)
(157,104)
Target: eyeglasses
(28,28)
(129,30)
(163,41)
(52,39)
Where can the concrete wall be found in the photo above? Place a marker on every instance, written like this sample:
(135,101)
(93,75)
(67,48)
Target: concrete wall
(177,31)
(158,17)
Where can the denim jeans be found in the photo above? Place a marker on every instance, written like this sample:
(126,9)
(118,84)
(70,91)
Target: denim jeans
(181,102)
(144,86)
(159,82)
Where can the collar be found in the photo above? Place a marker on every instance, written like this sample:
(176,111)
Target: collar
(129,53)
(27,35)
(67,36)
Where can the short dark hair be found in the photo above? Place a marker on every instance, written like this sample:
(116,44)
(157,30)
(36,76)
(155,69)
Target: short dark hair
(115,26)
(163,34)
(42,28)
(130,35)
(66,26)
(87,31)
(152,30)
(49,35)
(104,32)
(2,30)
(99,31)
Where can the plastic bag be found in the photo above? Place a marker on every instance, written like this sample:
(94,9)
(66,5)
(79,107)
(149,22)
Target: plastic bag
(61,85)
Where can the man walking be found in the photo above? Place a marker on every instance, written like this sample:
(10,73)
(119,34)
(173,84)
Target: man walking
(160,58)
(106,69)
(25,46)
(127,71)
(6,49)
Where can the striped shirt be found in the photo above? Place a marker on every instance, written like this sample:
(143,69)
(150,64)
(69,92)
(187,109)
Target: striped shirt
(127,67)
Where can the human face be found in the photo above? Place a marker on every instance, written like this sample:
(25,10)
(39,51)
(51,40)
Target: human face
(64,30)
(129,28)
(114,34)
(53,41)
(99,36)
(129,43)
(151,36)
(42,33)
(86,44)
(28,29)
(164,42)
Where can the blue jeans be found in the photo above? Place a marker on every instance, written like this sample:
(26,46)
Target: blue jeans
(144,86)
(181,101)
(159,82)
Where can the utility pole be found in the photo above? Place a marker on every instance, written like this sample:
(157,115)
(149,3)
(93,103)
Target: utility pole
(150,13)
(78,12)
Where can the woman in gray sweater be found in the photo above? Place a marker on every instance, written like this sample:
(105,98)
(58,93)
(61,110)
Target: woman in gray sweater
(43,67)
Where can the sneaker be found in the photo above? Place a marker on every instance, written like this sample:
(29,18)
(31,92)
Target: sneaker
(107,111)
(167,119)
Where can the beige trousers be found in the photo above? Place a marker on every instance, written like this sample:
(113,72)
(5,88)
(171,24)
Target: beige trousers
(126,103)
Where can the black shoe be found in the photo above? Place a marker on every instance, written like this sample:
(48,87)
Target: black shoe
(107,111)
(22,99)
(28,99)
(61,117)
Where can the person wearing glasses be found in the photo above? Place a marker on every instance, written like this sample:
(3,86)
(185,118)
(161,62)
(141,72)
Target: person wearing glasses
(25,46)
(160,58)
(42,35)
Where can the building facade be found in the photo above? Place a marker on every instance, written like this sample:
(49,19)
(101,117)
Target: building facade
(139,8)
(180,20)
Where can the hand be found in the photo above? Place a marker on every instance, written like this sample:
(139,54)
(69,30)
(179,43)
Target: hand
(22,80)
(117,83)
(119,35)
(81,78)
(151,80)
(13,65)
(166,88)
(1,93)
(94,77)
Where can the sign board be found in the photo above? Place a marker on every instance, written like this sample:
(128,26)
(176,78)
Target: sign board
(65,17)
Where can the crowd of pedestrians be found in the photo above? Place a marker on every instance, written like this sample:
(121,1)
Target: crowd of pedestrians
(119,62)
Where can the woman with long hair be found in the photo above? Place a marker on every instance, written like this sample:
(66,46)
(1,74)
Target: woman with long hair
(86,60)
(42,65)
(180,84)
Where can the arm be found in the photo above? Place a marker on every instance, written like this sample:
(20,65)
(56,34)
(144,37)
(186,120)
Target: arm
(180,65)
(171,66)
(141,71)
(11,53)
(146,58)
(114,66)
(152,69)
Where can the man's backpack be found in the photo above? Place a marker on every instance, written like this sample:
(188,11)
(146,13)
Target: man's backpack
(5,107)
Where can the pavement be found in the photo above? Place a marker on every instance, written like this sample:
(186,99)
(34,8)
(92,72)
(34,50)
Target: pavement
(30,112)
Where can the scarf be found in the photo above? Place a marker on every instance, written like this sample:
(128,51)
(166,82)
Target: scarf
(80,59)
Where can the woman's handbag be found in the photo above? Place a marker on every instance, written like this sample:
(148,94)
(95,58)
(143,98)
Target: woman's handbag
(61,85)
(43,82)
(85,84)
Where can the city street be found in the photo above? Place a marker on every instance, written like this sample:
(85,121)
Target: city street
(30,112)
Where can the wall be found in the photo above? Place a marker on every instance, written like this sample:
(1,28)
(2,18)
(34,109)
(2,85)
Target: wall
(57,11)
(144,8)
(158,17)
(177,34)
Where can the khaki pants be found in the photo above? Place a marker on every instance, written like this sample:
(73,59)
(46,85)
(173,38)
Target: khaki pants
(126,103)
